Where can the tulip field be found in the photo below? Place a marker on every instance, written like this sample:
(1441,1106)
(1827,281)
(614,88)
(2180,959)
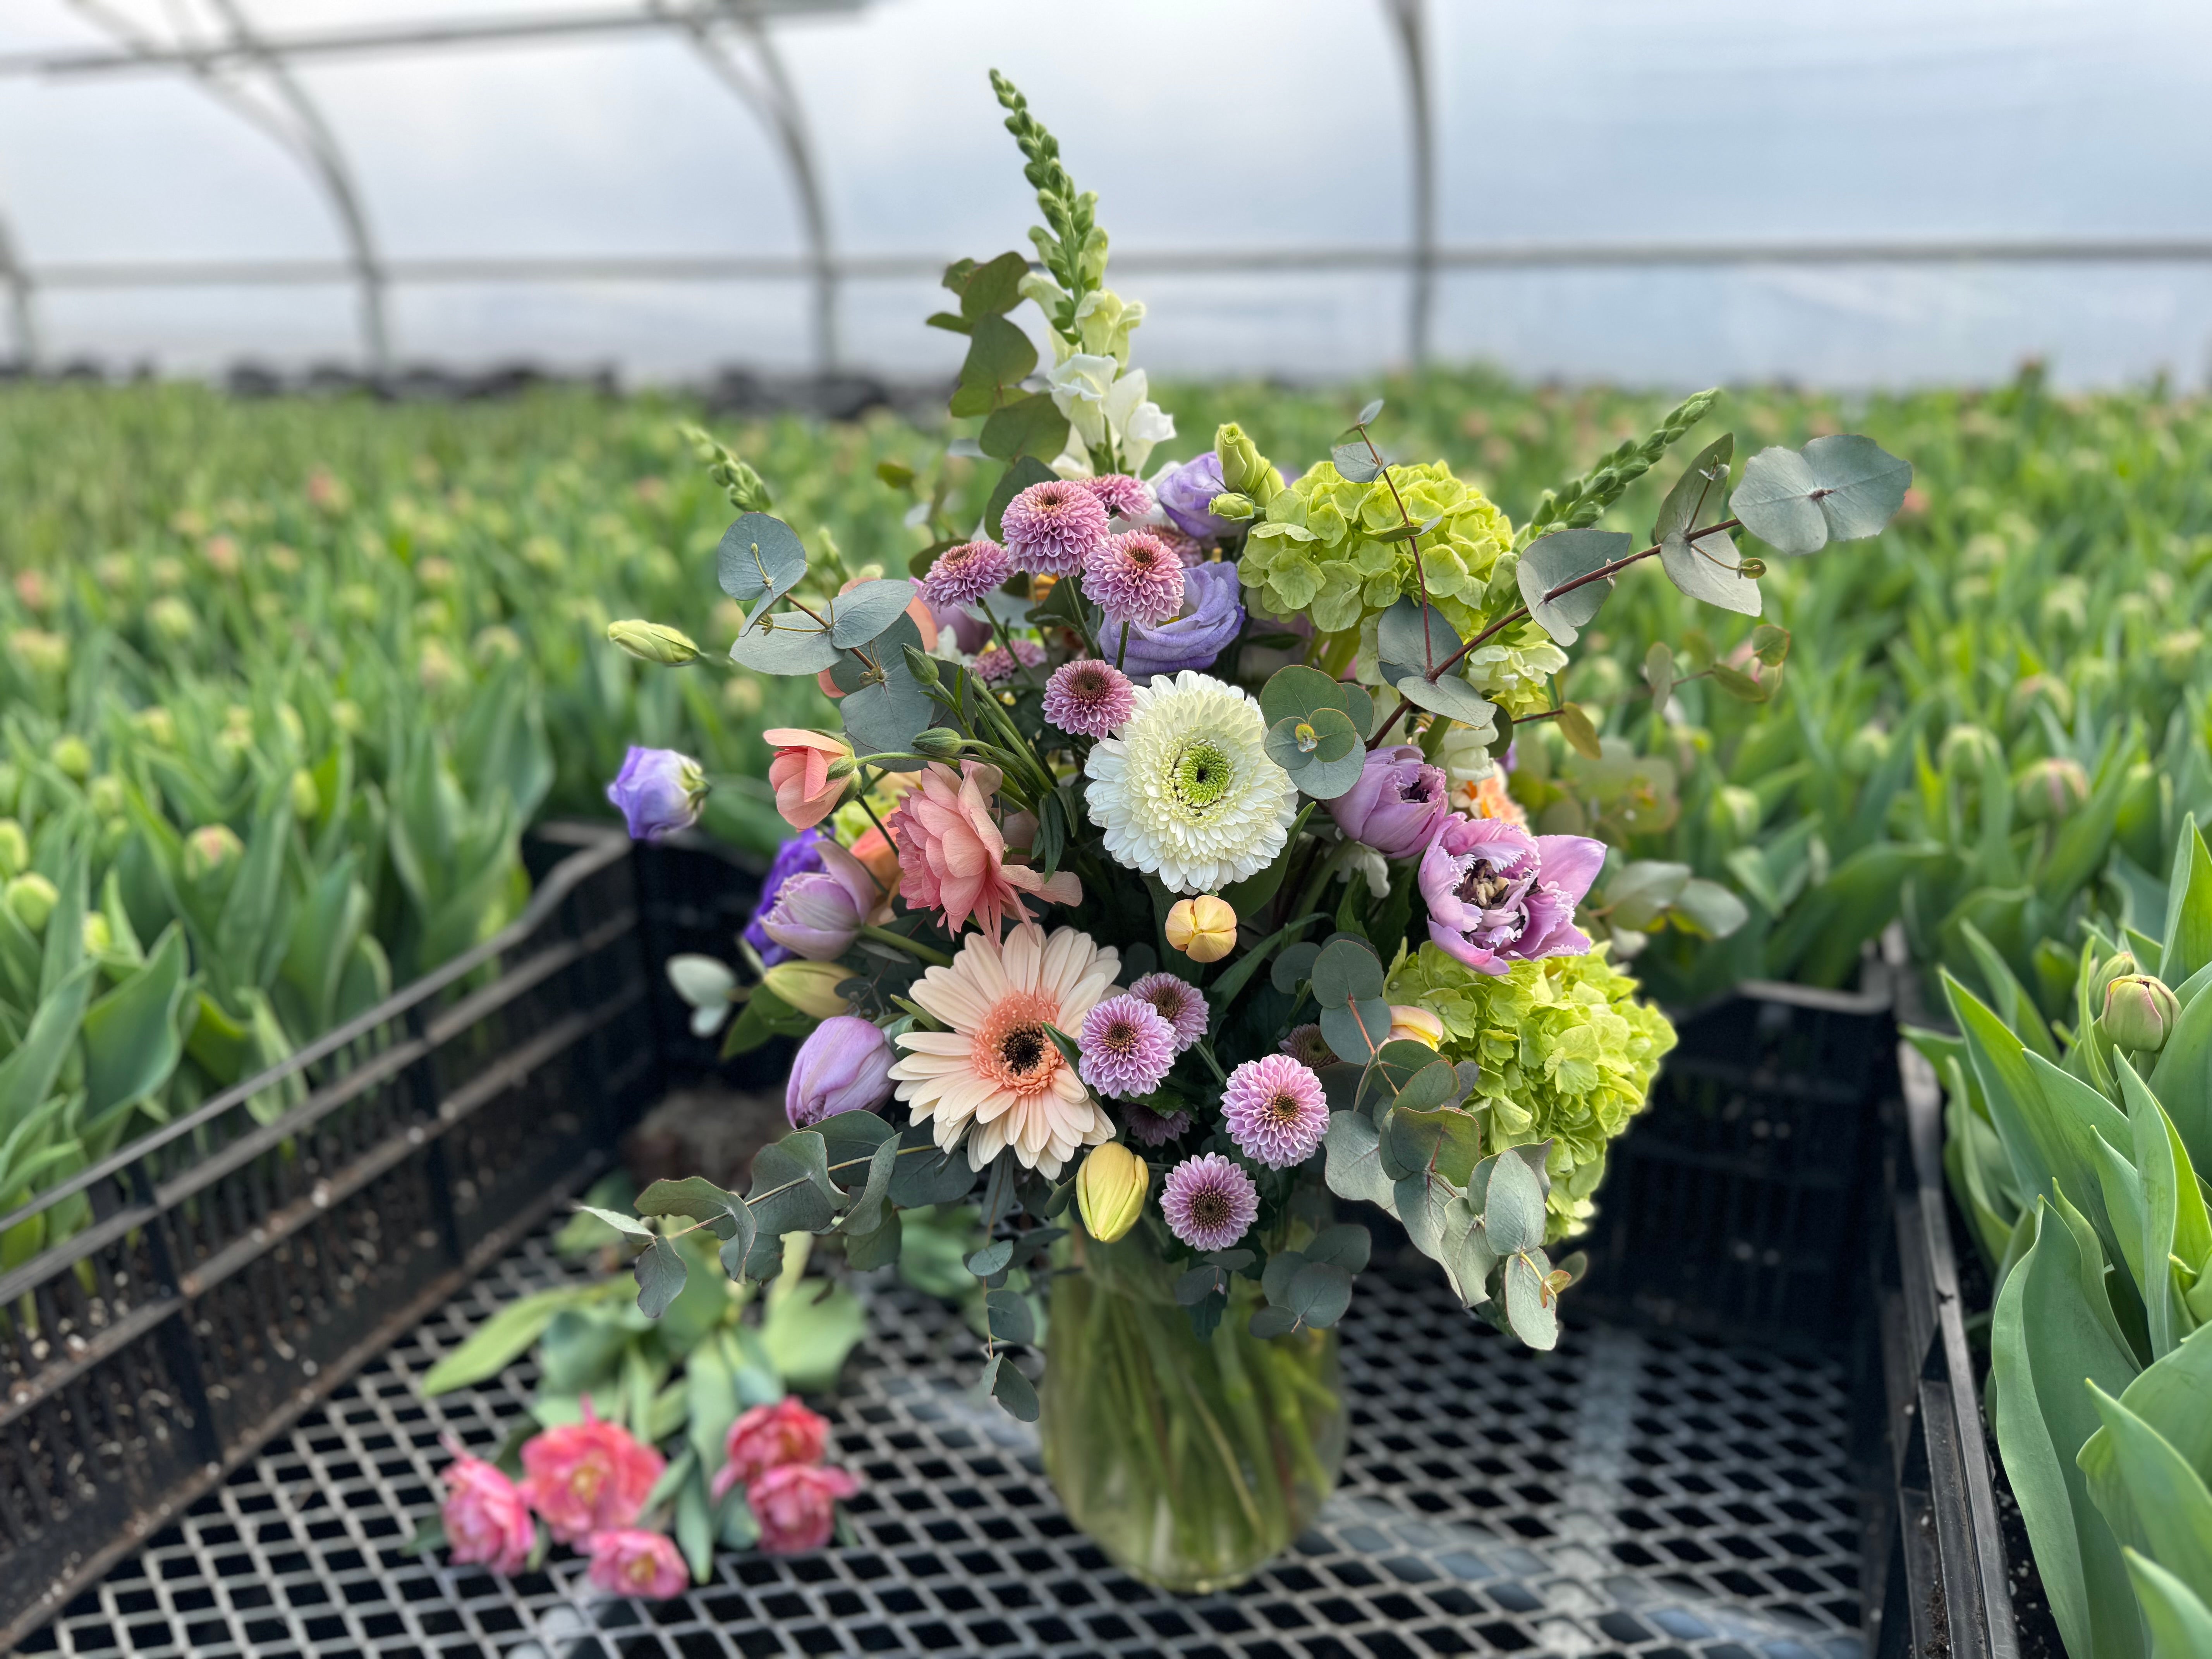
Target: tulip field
(286,683)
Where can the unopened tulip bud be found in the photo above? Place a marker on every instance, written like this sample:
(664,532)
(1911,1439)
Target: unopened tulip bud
(98,936)
(844,1065)
(2050,790)
(1734,813)
(651,641)
(14,849)
(2140,1012)
(1413,1024)
(71,757)
(33,898)
(306,800)
(105,795)
(1965,747)
(2120,964)
(809,987)
(939,743)
(1203,928)
(1109,1191)
(210,848)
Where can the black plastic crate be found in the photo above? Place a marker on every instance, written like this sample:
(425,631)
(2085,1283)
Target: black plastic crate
(240,1261)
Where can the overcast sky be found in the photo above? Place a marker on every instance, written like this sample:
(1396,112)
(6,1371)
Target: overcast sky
(1234,124)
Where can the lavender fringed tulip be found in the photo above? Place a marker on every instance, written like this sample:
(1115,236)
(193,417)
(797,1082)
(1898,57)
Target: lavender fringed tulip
(1498,894)
(818,914)
(844,1066)
(799,856)
(659,792)
(1212,617)
(1397,803)
(1185,494)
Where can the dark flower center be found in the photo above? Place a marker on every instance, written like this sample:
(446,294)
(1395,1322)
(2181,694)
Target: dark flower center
(1419,786)
(1483,887)
(1209,1206)
(1121,1038)
(1022,1048)
(1283,1109)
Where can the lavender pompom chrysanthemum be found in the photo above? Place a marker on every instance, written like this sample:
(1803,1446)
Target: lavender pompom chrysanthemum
(1181,1004)
(1127,1047)
(965,574)
(1276,1110)
(1306,1045)
(1052,527)
(1088,698)
(1123,496)
(1135,578)
(994,666)
(1149,1128)
(1209,1202)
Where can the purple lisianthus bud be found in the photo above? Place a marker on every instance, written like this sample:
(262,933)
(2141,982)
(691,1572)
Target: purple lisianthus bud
(818,914)
(1397,803)
(1212,617)
(845,1066)
(1498,894)
(659,792)
(1185,494)
(796,857)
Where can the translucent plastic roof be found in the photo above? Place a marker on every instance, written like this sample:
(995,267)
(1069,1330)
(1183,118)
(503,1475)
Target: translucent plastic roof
(1241,127)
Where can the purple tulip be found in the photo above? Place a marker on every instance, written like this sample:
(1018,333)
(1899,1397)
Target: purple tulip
(659,792)
(1212,616)
(1397,803)
(796,857)
(1185,494)
(844,1066)
(1498,894)
(818,914)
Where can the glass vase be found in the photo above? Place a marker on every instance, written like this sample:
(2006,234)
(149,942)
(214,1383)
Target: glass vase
(1191,1460)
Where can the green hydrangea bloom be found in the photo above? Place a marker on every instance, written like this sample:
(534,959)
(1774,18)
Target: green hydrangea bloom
(1314,552)
(1566,1053)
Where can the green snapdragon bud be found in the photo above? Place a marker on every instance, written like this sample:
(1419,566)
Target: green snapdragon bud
(32,897)
(2051,789)
(1244,469)
(655,642)
(2140,1012)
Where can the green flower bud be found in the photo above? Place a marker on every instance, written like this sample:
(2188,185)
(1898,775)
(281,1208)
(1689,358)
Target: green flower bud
(1734,813)
(307,798)
(32,897)
(1109,1191)
(1865,748)
(2050,790)
(72,756)
(939,743)
(651,641)
(1244,469)
(159,726)
(106,794)
(2178,652)
(171,619)
(1965,748)
(1231,504)
(2117,965)
(98,936)
(922,666)
(210,848)
(14,849)
(2045,688)
(2140,1012)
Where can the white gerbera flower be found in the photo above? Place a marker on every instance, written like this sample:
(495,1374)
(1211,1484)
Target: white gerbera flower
(1184,787)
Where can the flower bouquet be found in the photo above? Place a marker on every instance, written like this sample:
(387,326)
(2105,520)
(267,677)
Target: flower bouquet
(1164,875)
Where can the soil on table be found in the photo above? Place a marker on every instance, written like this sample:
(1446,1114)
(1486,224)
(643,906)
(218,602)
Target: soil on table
(709,1131)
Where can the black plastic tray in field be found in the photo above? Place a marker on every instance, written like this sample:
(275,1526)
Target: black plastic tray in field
(219,1276)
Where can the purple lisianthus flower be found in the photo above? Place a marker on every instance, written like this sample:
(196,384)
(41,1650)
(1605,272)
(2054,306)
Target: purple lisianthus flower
(1498,894)
(1185,494)
(1397,803)
(659,792)
(818,914)
(799,856)
(1212,617)
(845,1066)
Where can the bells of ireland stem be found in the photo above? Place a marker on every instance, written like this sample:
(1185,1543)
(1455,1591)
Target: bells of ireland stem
(844,1065)
(2140,1012)
(1109,1191)
(654,642)
(2052,790)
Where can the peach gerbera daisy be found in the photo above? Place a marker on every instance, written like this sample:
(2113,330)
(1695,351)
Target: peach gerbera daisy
(996,1076)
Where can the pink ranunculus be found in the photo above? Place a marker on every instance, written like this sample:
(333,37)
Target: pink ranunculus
(584,1478)
(632,1562)
(768,1438)
(487,1521)
(952,853)
(1498,894)
(796,1506)
(805,794)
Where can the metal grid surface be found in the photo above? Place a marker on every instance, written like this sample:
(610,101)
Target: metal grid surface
(1630,1494)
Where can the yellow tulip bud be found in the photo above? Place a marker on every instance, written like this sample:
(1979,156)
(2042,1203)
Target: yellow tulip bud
(1409,1024)
(1109,1191)
(651,641)
(72,756)
(307,798)
(1203,928)
(809,987)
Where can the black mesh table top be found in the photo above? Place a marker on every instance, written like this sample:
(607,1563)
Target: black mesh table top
(1628,1494)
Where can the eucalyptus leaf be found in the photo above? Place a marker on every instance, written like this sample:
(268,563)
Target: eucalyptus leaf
(759,559)
(1449,695)
(1549,562)
(786,642)
(1353,1168)
(858,616)
(1530,1308)
(1703,486)
(1366,416)
(1355,464)
(1513,1213)
(1009,1316)
(1709,572)
(1412,639)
